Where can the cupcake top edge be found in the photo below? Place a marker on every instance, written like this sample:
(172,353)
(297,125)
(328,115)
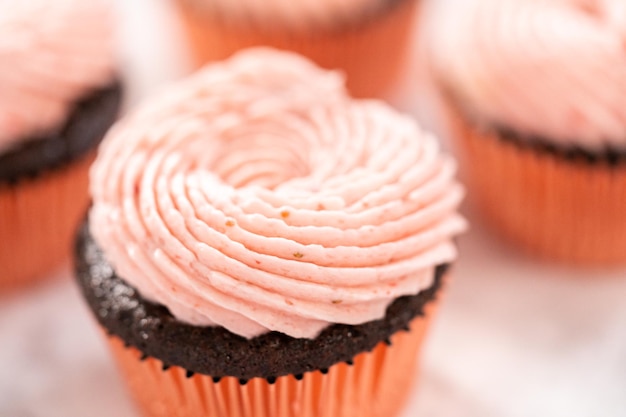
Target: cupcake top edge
(52,54)
(554,69)
(257,196)
(292,15)
(124,314)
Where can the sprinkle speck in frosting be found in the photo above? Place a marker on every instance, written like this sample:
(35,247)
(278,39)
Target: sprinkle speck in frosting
(273,144)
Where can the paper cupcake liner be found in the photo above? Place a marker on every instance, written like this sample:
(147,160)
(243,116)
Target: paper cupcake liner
(375,384)
(373,53)
(558,208)
(38,219)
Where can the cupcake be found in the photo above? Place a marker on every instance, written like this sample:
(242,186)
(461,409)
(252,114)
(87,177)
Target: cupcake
(367,39)
(260,244)
(58,96)
(535,93)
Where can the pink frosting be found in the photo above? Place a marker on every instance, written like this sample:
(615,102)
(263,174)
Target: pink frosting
(51,53)
(552,68)
(257,196)
(295,14)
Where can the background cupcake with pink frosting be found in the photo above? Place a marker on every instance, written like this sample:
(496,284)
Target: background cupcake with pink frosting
(58,95)
(367,39)
(251,250)
(536,98)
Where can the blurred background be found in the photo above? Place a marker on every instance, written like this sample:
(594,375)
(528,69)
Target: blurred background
(515,337)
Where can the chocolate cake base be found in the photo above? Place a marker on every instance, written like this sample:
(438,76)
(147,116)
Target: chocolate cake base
(539,144)
(608,156)
(81,133)
(216,352)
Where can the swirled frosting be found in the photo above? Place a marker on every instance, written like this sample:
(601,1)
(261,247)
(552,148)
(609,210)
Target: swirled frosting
(51,53)
(297,15)
(549,68)
(257,196)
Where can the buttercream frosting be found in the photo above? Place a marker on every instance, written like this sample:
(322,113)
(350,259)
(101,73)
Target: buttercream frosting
(257,196)
(554,69)
(51,53)
(297,15)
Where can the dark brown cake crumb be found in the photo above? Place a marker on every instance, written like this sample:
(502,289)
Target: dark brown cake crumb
(608,156)
(81,133)
(215,351)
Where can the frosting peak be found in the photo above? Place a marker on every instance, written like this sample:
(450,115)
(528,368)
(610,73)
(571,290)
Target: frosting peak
(549,68)
(51,53)
(257,196)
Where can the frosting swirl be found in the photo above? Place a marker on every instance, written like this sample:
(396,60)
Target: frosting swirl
(296,15)
(51,53)
(257,196)
(549,68)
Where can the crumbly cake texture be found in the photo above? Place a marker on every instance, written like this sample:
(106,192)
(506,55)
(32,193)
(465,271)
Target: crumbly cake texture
(608,156)
(43,190)
(561,204)
(80,134)
(611,157)
(216,352)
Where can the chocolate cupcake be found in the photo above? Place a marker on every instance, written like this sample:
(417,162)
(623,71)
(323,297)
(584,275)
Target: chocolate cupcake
(58,95)
(259,243)
(367,39)
(535,93)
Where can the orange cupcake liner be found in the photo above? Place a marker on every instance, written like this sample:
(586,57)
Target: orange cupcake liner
(375,385)
(372,53)
(38,220)
(561,209)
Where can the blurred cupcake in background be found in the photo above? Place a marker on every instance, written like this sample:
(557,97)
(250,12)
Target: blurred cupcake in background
(58,95)
(367,39)
(260,244)
(535,91)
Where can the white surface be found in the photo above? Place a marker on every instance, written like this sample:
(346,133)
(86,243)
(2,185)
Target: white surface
(514,337)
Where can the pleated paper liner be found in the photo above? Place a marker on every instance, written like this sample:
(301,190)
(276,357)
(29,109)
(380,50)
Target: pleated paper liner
(562,208)
(374,384)
(38,220)
(372,52)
